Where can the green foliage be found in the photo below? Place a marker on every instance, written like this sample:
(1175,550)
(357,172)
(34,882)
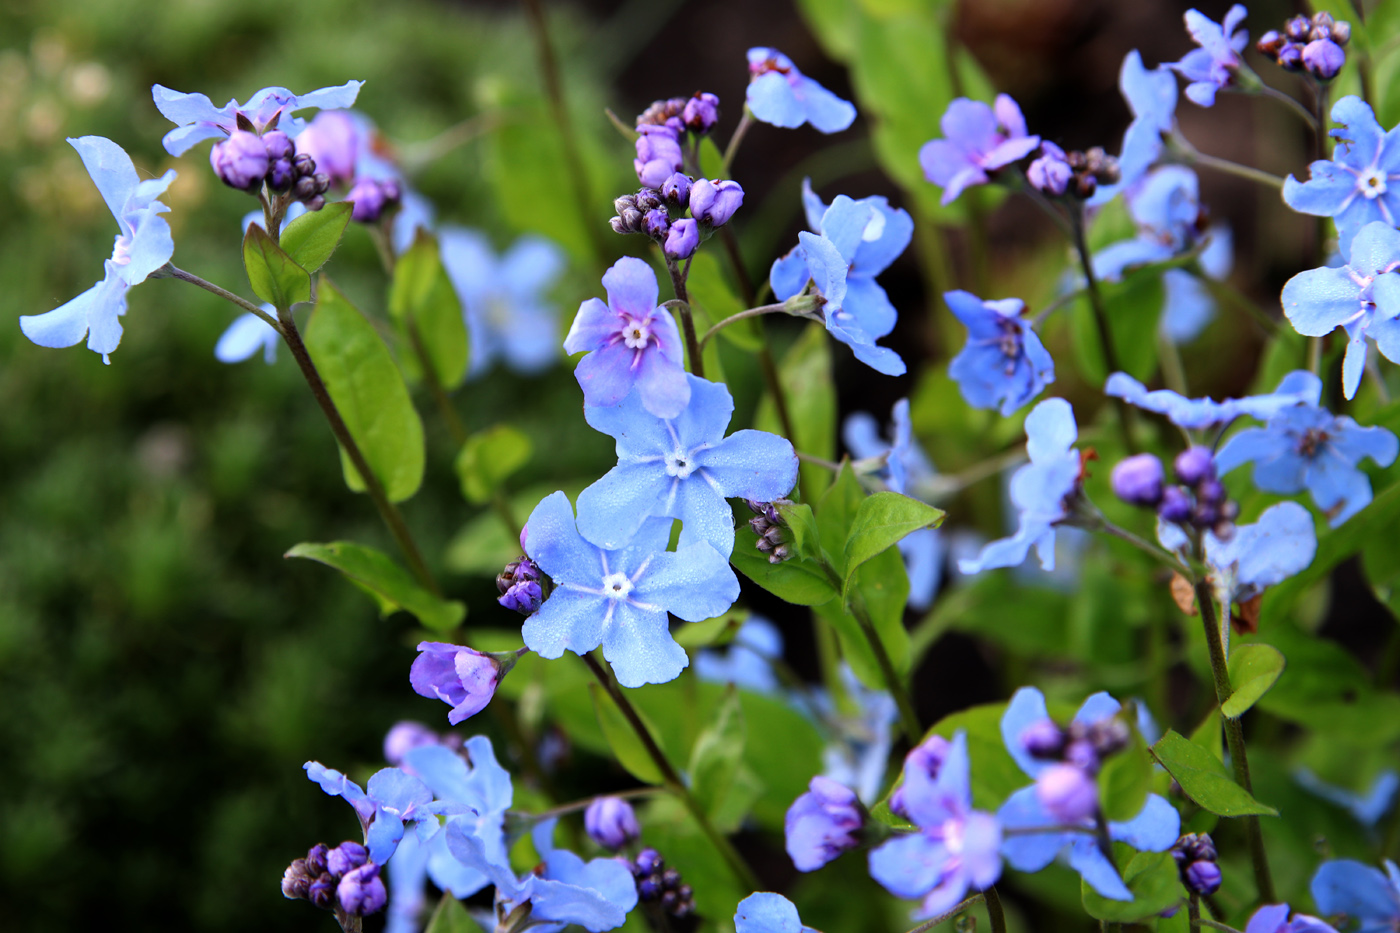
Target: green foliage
(626,745)
(275,276)
(489,458)
(1253,670)
(451,917)
(424,303)
(1204,779)
(716,755)
(388,584)
(880,522)
(1153,879)
(312,238)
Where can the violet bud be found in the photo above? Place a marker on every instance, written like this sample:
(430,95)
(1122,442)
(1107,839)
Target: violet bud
(1323,58)
(315,204)
(648,862)
(1210,491)
(676,190)
(240,161)
(316,859)
(658,154)
(822,823)
(295,881)
(1067,793)
(372,197)
(1137,480)
(1194,464)
(333,141)
(362,891)
(1206,514)
(624,203)
(524,597)
(649,889)
(701,112)
(1043,739)
(462,678)
(1290,57)
(1270,43)
(1082,754)
(321,892)
(648,199)
(1050,173)
(305,188)
(1341,32)
(403,737)
(611,822)
(1109,736)
(714,202)
(1298,28)
(345,858)
(656,224)
(629,221)
(279,146)
(1175,505)
(683,238)
(1202,877)
(1085,186)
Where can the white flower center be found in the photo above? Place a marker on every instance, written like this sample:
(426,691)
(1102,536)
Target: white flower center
(121,250)
(953,835)
(617,586)
(1372,183)
(679,464)
(636,334)
(874,228)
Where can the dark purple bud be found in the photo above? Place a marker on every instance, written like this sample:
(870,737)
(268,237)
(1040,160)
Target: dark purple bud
(240,161)
(525,597)
(1205,514)
(1109,736)
(304,164)
(323,183)
(316,203)
(403,737)
(1210,491)
(279,146)
(1290,56)
(1050,173)
(611,822)
(295,881)
(1322,20)
(822,823)
(1082,754)
(362,891)
(1138,480)
(372,197)
(1341,32)
(648,862)
(657,223)
(629,221)
(1043,739)
(683,238)
(701,112)
(1323,58)
(779,554)
(1175,505)
(1067,793)
(345,858)
(676,190)
(321,892)
(1085,186)
(1194,464)
(658,154)
(670,879)
(714,202)
(333,141)
(1298,28)
(281,176)
(648,199)
(624,203)
(316,858)
(649,889)
(461,677)
(1270,43)
(1202,877)
(305,188)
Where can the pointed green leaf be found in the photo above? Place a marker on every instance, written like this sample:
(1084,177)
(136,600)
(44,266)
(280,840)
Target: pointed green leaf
(313,237)
(423,300)
(836,514)
(391,586)
(275,276)
(625,744)
(451,917)
(1204,779)
(369,393)
(802,526)
(881,521)
(1154,880)
(798,581)
(715,757)
(488,458)
(1253,670)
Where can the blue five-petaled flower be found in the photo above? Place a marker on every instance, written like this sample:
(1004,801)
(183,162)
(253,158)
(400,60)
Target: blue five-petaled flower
(766,912)
(1216,63)
(1298,387)
(1151,96)
(1004,362)
(978,140)
(388,802)
(142,247)
(781,95)
(197,119)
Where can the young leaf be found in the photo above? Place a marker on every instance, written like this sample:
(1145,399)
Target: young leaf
(390,585)
(313,237)
(803,528)
(1155,882)
(488,458)
(798,581)
(836,514)
(625,744)
(275,276)
(1253,670)
(880,522)
(715,757)
(369,393)
(1204,779)
(422,299)
(1125,780)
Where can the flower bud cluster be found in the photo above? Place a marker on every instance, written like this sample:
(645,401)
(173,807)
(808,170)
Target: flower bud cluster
(1200,500)
(1313,45)
(611,822)
(372,197)
(768,523)
(246,161)
(657,884)
(1068,789)
(1075,173)
(522,586)
(1196,860)
(342,879)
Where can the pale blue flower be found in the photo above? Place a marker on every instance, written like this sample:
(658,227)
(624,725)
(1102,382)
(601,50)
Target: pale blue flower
(766,912)
(390,801)
(1151,96)
(1279,545)
(1215,64)
(1273,918)
(197,119)
(747,661)
(781,95)
(246,336)
(1298,387)
(1367,808)
(1004,363)
(1363,893)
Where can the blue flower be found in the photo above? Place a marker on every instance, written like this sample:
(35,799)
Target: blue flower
(978,140)
(1215,64)
(1004,361)
(1344,886)
(596,895)
(1362,182)
(1273,918)
(747,662)
(682,467)
(1151,96)
(821,824)
(766,912)
(907,471)
(956,847)
(1362,297)
(619,598)
(856,241)
(142,247)
(781,95)
(391,800)
(197,119)
(629,341)
(1305,446)
(503,298)
(1298,387)
(1038,489)
(1369,808)
(1279,545)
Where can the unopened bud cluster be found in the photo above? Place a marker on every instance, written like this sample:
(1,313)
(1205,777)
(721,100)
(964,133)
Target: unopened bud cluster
(1313,45)
(1199,500)
(662,886)
(521,586)
(773,536)
(1068,789)
(1078,174)
(1195,857)
(247,161)
(342,879)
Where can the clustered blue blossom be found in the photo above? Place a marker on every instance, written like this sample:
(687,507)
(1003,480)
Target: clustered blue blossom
(1004,361)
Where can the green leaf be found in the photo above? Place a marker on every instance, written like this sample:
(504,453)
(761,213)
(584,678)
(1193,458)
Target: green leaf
(275,276)
(836,515)
(391,586)
(423,300)
(623,741)
(1203,778)
(312,238)
(805,375)
(1132,307)
(488,458)
(451,917)
(369,393)
(1125,779)
(1253,670)
(712,633)
(1153,879)
(798,581)
(880,522)
(710,293)
(803,528)
(715,757)
(711,163)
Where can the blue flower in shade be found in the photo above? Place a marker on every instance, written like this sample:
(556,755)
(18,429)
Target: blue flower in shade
(907,471)
(629,341)
(682,467)
(1151,96)
(142,247)
(781,95)
(1362,182)
(956,847)
(596,895)
(766,912)
(856,241)
(1273,918)
(978,140)
(1363,893)
(1279,545)
(197,119)
(503,297)
(821,824)
(1298,387)
(619,598)
(1004,362)
(747,662)
(1038,489)
(858,749)
(1306,447)
(1215,64)
(1362,297)
(391,800)
(1368,808)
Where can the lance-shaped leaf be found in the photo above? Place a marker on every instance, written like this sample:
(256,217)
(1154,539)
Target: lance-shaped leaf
(423,301)
(622,739)
(1253,670)
(391,586)
(880,522)
(276,278)
(313,237)
(1203,778)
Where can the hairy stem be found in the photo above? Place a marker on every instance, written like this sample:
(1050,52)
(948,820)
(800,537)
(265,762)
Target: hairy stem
(1194,911)
(731,150)
(1096,303)
(177,273)
(1292,103)
(1195,157)
(741,316)
(995,918)
(962,905)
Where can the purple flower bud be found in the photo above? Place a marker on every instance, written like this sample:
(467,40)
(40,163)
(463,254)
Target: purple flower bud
(1210,491)
(524,597)
(1082,754)
(676,190)
(362,891)
(1067,793)
(321,892)
(649,889)
(345,858)
(295,881)
(372,196)
(1270,43)
(1175,505)
(1341,32)
(682,239)
(1050,173)
(461,677)
(1202,877)
(279,146)
(316,858)
(656,223)
(280,175)
(1194,464)
(611,822)
(240,161)
(1109,736)
(658,154)
(1138,480)
(648,199)
(714,202)
(701,112)
(822,823)
(1043,739)
(1323,58)
(648,862)
(1298,28)
(333,140)
(1290,56)
(403,737)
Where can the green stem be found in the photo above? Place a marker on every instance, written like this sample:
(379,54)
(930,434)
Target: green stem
(963,905)
(907,718)
(995,918)
(1056,305)
(1193,908)
(822,462)
(671,778)
(1110,354)
(1215,924)
(692,345)
(577,805)
(1293,104)
(741,316)
(731,150)
(174,272)
(1195,157)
